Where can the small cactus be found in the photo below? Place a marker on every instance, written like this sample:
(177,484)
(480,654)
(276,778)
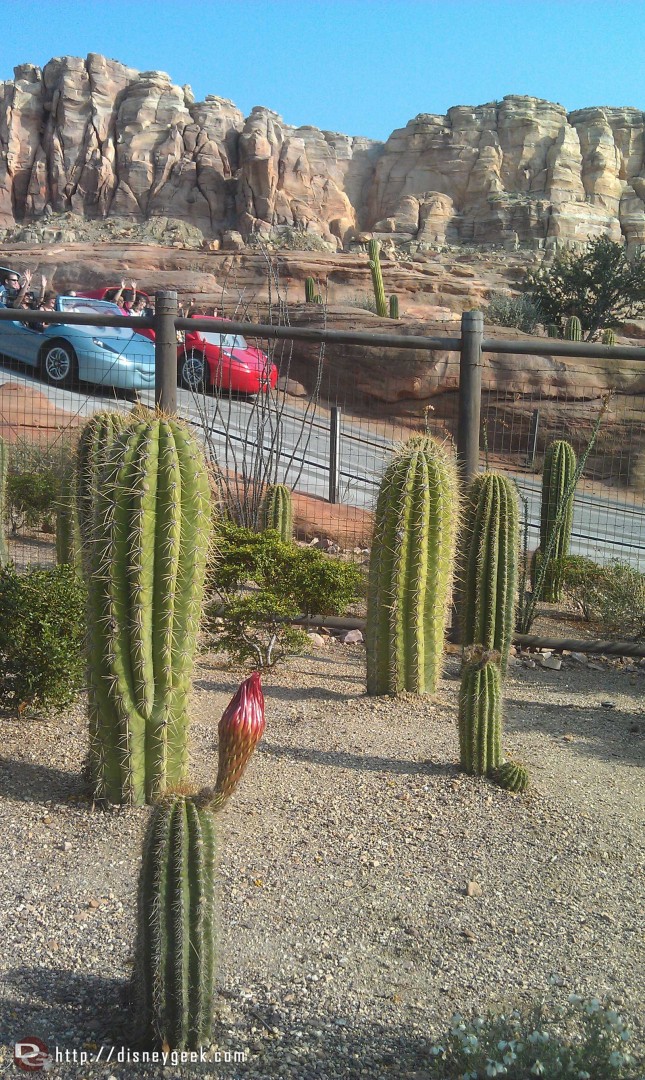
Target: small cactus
(557,477)
(174,971)
(480,712)
(512,775)
(377,278)
(573,329)
(318,299)
(277,511)
(4,471)
(608,337)
(394,307)
(68,536)
(553,330)
(410,570)
(310,290)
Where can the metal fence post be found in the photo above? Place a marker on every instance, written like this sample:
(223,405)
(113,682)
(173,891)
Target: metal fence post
(166,312)
(470,392)
(334,455)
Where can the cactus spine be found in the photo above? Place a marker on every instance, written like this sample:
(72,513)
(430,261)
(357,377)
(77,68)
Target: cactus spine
(147,568)
(608,337)
(394,307)
(4,472)
(68,537)
(410,570)
(175,948)
(480,712)
(96,440)
(557,477)
(511,775)
(310,290)
(377,278)
(573,329)
(277,510)
(489,580)
(553,330)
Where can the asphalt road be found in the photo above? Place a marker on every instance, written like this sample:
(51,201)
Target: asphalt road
(604,528)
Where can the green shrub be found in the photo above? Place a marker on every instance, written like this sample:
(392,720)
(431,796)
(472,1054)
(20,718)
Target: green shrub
(612,595)
(42,632)
(584,1040)
(258,583)
(519,311)
(34,484)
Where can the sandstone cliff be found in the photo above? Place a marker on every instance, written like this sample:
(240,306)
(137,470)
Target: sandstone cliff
(102,140)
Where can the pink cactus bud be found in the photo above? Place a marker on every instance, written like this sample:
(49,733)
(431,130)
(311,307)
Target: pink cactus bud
(241,727)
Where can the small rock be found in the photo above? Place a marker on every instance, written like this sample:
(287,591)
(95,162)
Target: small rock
(579,657)
(594,666)
(608,704)
(352,637)
(65,846)
(317,640)
(93,904)
(553,662)
(473,888)
(530,664)
(468,934)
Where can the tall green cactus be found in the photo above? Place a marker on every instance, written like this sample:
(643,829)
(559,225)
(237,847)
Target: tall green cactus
(480,712)
(147,565)
(68,536)
(4,472)
(394,307)
(490,545)
(277,510)
(377,278)
(410,570)
(608,337)
(95,443)
(573,329)
(174,971)
(556,514)
(553,330)
(310,290)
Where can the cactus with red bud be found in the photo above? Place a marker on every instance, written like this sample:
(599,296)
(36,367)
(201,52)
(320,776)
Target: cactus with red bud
(174,974)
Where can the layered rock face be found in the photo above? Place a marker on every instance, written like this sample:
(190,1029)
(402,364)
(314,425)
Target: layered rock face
(101,140)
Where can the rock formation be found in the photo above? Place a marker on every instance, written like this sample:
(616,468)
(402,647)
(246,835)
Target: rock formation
(101,140)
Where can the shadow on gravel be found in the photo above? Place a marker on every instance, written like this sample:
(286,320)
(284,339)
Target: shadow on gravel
(65,1008)
(361,762)
(29,782)
(596,732)
(288,693)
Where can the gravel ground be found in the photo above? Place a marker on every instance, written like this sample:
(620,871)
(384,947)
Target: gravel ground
(347,934)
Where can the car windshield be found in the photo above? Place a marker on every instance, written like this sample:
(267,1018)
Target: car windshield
(226,341)
(88,307)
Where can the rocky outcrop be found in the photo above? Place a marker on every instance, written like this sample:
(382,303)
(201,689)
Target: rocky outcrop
(102,140)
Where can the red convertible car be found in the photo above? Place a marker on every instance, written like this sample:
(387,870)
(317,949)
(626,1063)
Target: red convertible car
(214,360)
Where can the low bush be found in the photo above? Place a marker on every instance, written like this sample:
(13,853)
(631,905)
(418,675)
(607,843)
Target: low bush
(519,311)
(584,1040)
(42,633)
(258,583)
(612,595)
(34,484)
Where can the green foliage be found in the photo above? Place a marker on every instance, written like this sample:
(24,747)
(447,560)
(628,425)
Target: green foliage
(512,775)
(258,583)
(608,337)
(490,546)
(611,595)
(480,712)
(573,329)
(600,285)
(288,238)
(4,469)
(95,443)
(584,1040)
(34,483)
(553,330)
(146,568)
(364,302)
(394,307)
(556,513)
(310,290)
(377,278)
(410,570)
(68,535)
(42,631)
(277,510)
(519,311)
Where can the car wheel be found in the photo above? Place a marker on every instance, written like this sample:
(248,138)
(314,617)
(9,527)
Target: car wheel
(58,364)
(192,372)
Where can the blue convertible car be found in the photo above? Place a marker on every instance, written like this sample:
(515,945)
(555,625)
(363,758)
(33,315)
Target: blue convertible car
(108,355)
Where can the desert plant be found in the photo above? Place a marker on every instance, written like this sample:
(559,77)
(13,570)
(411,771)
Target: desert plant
(519,311)
(480,711)
(277,511)
(488,582)
(68,535)
(612,595)
(95,443)
(608,337)
(33,483)
(147,567)
(584,1040)
(573,329)
(4,469)
(394,307)
(553,330)
(410,569)
(310,290)
(512,775)
(377,278)
(174,973)
(556,514)
(42,633)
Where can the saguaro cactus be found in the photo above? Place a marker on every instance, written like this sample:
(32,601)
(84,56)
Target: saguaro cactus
(480,712)
(411,568)
(608,337)
(4,471)
(490,561)
(277,510)
(175,949)
(148,562)
(556,514)
(573,329)
(68,537)
(97,439)
(394,307)
(310,290)
(377,278)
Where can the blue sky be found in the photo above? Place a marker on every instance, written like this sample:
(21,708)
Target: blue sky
(363,67)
